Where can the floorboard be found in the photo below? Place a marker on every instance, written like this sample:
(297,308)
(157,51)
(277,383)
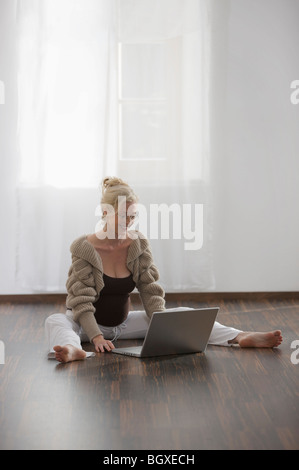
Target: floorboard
(228,398)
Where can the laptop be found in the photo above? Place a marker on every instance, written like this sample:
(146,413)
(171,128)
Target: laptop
(175,331)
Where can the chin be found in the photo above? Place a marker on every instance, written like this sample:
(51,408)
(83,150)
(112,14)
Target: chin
(121,231)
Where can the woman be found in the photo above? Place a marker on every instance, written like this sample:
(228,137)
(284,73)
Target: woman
(106,267)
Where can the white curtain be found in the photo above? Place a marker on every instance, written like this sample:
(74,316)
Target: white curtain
(111,87)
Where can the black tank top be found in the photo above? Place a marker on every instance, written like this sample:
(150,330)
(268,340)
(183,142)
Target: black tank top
(113,305)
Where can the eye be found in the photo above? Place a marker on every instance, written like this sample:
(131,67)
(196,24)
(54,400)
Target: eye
(133,216)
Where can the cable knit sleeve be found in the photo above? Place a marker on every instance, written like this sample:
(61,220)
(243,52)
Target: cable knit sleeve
(82,293)
(151,293)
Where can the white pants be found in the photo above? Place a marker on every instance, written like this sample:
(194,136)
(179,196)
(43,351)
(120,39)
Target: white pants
(61,329)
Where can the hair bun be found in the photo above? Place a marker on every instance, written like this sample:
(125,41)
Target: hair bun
(113,188)
(111,181)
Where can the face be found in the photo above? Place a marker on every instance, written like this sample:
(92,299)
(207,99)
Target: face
(120,221)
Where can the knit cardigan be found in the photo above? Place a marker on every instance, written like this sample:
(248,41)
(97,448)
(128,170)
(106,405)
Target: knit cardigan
(85,281)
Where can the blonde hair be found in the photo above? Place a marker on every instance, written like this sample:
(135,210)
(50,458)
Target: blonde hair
(113,188)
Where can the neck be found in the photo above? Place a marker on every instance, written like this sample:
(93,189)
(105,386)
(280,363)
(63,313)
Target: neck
(110,238)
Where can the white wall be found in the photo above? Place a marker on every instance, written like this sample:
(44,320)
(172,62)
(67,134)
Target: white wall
(8,146)
(255,145)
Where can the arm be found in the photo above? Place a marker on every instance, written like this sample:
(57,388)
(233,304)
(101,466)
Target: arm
(81,296)
(151,293)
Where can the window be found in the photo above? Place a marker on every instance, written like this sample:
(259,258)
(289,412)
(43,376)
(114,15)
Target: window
(142,102)
(148,100)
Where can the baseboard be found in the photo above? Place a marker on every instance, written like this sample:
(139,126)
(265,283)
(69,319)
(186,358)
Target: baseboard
(177,296)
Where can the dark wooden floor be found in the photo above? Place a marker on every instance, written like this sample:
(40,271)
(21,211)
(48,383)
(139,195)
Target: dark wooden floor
(228,398)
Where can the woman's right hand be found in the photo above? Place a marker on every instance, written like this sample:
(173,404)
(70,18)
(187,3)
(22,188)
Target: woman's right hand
(101,344)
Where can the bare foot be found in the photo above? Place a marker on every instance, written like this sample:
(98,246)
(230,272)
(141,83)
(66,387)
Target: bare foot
(68,353)
(270,339)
